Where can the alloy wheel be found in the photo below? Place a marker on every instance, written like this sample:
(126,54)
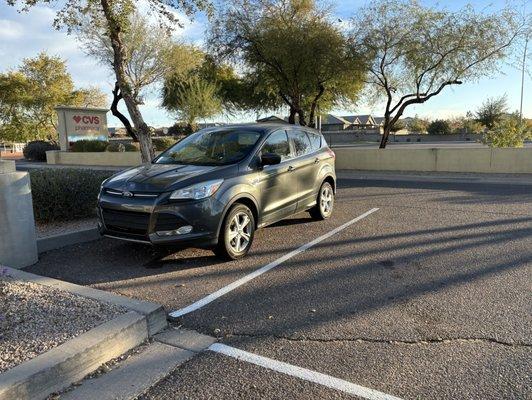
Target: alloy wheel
(326,200)
(239,232)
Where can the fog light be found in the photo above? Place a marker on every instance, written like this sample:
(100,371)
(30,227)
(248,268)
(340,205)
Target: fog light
(181,231)
(184,229)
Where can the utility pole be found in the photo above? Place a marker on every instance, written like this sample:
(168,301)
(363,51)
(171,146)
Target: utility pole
(523,67)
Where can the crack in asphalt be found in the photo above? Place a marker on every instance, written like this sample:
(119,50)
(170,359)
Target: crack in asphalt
(385,341)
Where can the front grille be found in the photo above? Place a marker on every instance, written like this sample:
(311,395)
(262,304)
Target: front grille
(126,221)
(168,222)
(114,192)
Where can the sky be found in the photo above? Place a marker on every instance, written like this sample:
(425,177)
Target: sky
(25,34)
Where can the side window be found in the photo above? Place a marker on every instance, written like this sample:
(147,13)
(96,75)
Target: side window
(301,142)
(315,141)
(277,143)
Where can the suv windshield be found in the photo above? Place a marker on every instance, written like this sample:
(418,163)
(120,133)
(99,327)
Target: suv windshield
(217,147)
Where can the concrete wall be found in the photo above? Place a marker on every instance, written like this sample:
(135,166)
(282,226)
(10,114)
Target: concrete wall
(18,242)
(104,158)
(348,136)
(399,159)
(484,160)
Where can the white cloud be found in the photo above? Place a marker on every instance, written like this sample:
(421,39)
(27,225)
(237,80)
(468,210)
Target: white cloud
(10,30)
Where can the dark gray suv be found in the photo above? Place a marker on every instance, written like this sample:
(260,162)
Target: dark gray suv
(215,187)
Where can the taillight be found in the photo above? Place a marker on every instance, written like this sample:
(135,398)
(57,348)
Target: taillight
(331,153)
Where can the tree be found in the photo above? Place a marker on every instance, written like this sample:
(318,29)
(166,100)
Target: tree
(467,124)
(293,50)
(91,96)
(439,127)
(196,91)
(398,126)
(417,125)
(29,95)
(237,92)
(114,18)
(492,111)
(191,99)
(418,51)
(151,54)
(510,131)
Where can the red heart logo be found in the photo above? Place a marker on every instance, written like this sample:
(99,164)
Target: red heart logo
(77,118)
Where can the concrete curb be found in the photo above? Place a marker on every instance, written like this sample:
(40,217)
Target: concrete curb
(54,242)
(70,362)
(134,376)
(186,339)
(154,313)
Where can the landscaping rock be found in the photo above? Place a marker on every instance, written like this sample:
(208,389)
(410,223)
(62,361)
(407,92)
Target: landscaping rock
(36,318)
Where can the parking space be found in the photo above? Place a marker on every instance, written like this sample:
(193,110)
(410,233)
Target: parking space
(428,297)
(177,279)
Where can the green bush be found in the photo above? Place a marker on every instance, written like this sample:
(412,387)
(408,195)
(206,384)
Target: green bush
(161,144)
(89,146)
(439,127)
(181,129)
(121,147)
(36,150)
(511,131)
(65,194)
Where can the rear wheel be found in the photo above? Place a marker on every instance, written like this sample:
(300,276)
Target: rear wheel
(325,203)
(236,234)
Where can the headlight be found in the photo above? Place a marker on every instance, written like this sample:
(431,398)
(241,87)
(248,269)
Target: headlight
(197,191)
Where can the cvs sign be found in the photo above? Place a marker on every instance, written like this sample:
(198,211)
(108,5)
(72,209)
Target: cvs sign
(87,119)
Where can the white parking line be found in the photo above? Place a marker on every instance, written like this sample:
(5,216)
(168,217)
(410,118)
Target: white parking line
(226,289)
(302,373)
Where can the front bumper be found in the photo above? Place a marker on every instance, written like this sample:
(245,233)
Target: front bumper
(140,220)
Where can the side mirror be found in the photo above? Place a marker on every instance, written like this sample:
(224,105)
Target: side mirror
(270,159)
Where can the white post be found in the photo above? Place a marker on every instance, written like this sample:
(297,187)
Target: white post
(18,242)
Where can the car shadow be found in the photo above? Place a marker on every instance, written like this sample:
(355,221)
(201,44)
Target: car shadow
(291,221)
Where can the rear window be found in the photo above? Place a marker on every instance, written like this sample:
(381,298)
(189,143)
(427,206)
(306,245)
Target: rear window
(315,141)
(301,142)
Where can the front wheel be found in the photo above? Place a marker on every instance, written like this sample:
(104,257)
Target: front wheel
(325,203)
(236,234)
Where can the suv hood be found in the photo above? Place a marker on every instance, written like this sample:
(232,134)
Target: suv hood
(155,177)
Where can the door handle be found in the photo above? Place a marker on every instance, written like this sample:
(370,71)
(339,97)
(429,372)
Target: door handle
(317,160)
(290,168)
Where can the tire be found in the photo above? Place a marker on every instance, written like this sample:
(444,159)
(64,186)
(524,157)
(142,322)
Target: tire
(325,203)
(235,242)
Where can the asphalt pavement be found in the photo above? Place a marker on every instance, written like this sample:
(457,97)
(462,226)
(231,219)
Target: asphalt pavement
(428,297)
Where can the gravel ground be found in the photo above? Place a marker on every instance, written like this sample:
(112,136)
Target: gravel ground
(55,228)
(36,318)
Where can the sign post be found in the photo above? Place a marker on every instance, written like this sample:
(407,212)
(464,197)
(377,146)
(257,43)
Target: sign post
(79,123)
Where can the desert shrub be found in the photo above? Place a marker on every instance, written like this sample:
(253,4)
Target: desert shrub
(439,127)
(161,144)
(36,150)
(398,126)
(121,147)
(511,131)
(181,129)
(65,194)
(417,125)
(88,146)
